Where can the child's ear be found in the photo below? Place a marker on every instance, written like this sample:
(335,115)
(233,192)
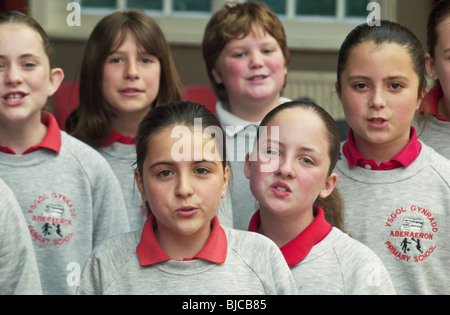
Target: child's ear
(247,166)
(217,76)
(330,184)
(226,178)
(140,185)
(338,90)
(430,66)
(56,77)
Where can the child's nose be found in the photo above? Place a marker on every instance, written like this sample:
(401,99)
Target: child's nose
(285,169)
(13,76)
(256,60)
(131,71)
(184,187)
(378,99)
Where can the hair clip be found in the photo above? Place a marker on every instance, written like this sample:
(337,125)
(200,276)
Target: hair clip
(16,12)
(231,4)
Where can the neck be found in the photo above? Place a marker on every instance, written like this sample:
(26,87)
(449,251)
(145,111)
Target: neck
(127,124)
(253,110)
(19,136)
(444,108)
(381,152)
(179,247)
(283,229)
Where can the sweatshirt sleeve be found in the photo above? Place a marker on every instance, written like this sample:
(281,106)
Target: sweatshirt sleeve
(18,267)
(110,212)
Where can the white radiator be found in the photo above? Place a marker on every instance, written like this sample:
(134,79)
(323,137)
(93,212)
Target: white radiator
(317,86)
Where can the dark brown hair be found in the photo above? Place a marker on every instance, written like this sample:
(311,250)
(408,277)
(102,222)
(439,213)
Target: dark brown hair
(234,21)
(333,204)
(90,122)
(439,12)
(387,32)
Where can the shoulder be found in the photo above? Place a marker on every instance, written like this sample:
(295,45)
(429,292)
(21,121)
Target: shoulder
(79,150)
(7,196)
(362,270)
(116,251)
(348,248)
(263,257)
(89,159)
(251,246)
(10,211)
(106,262)
(437,163)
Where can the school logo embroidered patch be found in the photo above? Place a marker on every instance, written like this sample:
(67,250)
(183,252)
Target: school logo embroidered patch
(51,219)
(411,234)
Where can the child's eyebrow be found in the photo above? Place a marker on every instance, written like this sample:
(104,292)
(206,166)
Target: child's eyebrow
(23,56)
(171,163)
(358,77)
(161,163)
(364,78)
(303,148)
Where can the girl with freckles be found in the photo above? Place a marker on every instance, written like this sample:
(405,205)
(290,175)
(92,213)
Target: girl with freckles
(291,175)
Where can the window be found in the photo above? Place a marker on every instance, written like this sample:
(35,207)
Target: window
(203,6)
(309,24)
(303,8)
(332,9)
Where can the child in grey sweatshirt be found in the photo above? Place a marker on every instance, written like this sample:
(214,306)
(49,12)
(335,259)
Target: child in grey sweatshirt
(183,249)
(18,268)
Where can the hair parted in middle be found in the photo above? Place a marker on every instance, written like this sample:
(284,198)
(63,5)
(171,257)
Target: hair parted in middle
(90,121)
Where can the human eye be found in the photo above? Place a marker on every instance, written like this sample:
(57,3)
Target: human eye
(201,171)
(269,49)
(396,86)
(306,160)
(146,60)
(238,54)
(272,153)
(115,60)
(359,86)
(29,65)
(164,174)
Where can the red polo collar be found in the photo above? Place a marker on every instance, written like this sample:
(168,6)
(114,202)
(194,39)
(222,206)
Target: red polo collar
(114,136)
(150,252)
(51,141)
(431,102)
(403,159)
(297,249)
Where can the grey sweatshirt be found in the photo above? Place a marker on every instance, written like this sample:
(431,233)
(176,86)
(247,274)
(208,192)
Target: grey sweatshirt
(341,265)
(18,267)
(72,201)
(403,215)
(254,265)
